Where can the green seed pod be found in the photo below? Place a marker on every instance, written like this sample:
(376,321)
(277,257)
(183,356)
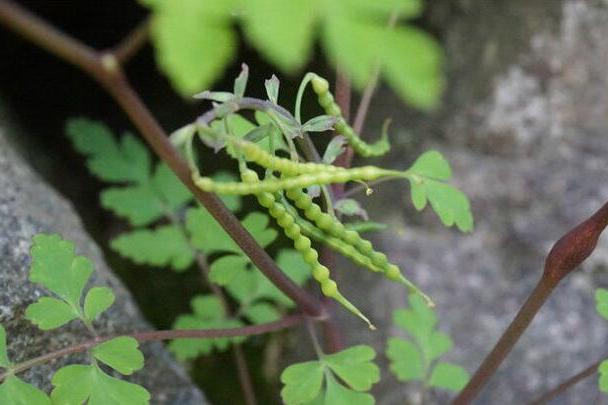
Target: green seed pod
(311,256)
(320,273)
(329,288)
(319,84)
(302,244)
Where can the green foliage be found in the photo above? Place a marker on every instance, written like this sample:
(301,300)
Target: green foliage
(196,40)
(603,378)
(78,383)
(417,359)
(121,353)
(208,313)
(14,391)
(601,302)
(303,382)
(426,180)
(147,196)
(56,267)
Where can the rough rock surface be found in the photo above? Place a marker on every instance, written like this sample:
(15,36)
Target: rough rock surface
(525,126)
(27,207)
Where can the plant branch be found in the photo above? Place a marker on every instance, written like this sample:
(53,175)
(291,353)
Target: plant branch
(565,256)
(561,388)
(157,335)
(105,68)
(132,43)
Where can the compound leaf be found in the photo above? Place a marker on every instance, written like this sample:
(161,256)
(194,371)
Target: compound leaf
(281,30)
(165,245)
(121,353)
(419,320)
(355,367)
(14,391)
(97,300)
(302,382)
(109,160)
(406,362)
(4,361)
(56,267)
(50,313)
(449,376)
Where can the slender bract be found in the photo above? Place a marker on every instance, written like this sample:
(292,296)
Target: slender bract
(327,102)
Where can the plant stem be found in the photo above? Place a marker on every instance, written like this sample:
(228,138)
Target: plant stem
(156,335)
(561,388)
(525,315)
(105,68)
(132,43)
(565,256)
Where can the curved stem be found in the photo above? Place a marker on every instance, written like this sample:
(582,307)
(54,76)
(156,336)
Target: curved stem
(156,335)
(105,68)
(132,43)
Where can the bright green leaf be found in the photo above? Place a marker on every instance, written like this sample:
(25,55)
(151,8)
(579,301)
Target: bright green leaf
(4,361)
(165,245)
(432,164)
(450,204)
(355,367)
(208,307)
(50,313)
(194,42)
(121,353)
(335,147)
(97,300)
(406,362)
(302,382)
(106,158)
(321,123)
(14,391)
(412,66)
(192,348)
(281,30)
(138,204)
(56,267)
(438,344)
(418,195)
(419,320)
(227,268)
(337,394)
(449,376)
(601,302)
(78,383)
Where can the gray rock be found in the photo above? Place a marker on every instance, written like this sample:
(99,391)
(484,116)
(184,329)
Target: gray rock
(525,126)
(27,207)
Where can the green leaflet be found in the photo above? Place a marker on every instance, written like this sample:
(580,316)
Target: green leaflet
(303,382)
(56,267)
(78,383)
(14,391)
(124,161)
(417,359)
(4,361)
(140,196)
(426,181)
(165,245)
(208,313)
(121,353)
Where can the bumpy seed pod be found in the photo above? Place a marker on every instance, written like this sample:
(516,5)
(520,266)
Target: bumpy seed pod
(321,87)
(254,153)
(349,243)
(364,173)
(303,245)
